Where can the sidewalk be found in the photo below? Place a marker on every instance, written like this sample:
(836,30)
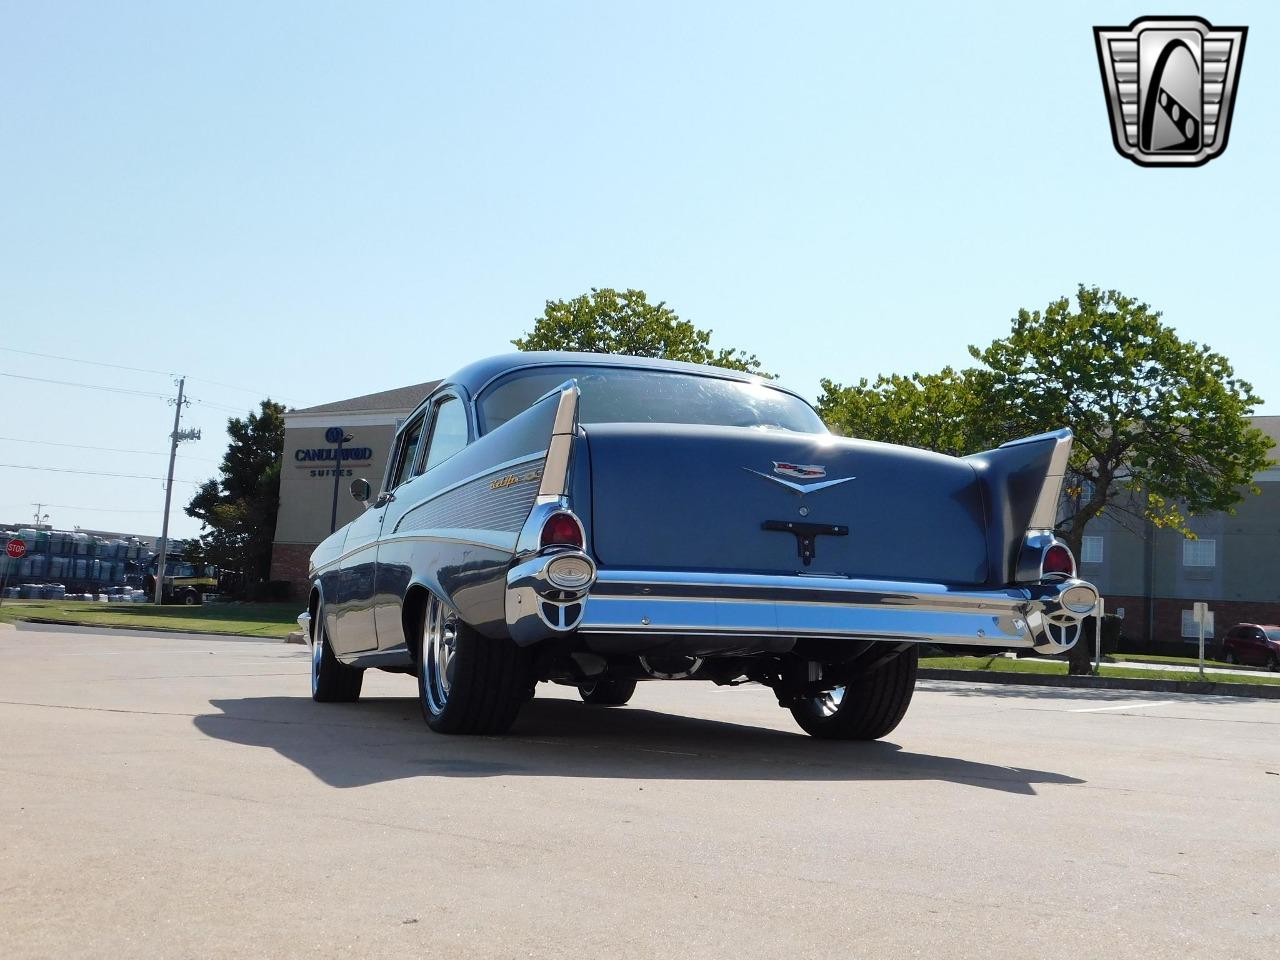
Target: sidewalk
(1181,668)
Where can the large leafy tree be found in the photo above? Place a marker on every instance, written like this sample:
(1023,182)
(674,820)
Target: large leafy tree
(238,510)
(947,411)
(1161,424)
(625,322)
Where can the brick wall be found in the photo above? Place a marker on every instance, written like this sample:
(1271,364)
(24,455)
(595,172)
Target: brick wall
(289,562)
(1136,612)
(1167,612)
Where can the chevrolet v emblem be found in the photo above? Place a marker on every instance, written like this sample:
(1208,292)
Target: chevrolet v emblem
(800,488)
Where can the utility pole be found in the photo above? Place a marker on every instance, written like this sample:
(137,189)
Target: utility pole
(175,438)
(39,510)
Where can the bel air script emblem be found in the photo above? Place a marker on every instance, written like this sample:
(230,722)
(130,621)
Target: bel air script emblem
(804,471)
(1171,86)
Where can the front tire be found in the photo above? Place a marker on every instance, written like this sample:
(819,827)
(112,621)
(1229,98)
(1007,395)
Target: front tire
(332,681)
(607,692)
(868,708)
(468,683)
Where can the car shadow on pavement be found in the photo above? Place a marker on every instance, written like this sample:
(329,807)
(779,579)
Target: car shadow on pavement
(378,740)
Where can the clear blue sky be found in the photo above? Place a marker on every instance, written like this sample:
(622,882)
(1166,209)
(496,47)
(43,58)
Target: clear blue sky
(323,200)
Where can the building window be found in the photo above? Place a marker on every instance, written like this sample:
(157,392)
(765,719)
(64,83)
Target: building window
(1199,553)
(1191,629)
(1091,550)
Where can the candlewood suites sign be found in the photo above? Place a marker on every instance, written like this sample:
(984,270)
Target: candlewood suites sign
(322,461)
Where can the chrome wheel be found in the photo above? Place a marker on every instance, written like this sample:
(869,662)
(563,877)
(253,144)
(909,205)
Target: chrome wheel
(317,653)
(829,702)
(437,655)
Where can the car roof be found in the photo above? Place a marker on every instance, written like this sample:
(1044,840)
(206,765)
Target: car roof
(476,376)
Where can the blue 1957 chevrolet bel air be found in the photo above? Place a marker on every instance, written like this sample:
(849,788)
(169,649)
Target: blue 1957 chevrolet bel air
(595,520)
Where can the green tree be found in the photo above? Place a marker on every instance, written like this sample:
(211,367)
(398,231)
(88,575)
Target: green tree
(238,510)
(625,322)
(1161,424)
(948,411)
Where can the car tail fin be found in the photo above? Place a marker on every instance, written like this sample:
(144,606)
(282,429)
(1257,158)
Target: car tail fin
(1022,481)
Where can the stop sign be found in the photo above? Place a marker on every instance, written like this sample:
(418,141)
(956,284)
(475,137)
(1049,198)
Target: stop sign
(16,549)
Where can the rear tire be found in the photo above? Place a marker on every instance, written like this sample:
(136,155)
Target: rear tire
(607,692)
(332,681)
(866,709)
(468,683)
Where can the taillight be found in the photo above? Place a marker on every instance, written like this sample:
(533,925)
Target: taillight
(1058,560)
(561,530)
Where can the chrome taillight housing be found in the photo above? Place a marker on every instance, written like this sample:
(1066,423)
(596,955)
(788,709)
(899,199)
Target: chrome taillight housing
(1044,557)
(1057,561)
(561,529)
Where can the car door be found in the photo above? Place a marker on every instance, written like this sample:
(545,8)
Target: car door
(1257,646)
(352,628)
(447,431)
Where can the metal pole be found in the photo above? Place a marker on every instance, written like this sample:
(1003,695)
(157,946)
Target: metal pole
(337,477)
(1097,637)
(168,493)
(1203,618)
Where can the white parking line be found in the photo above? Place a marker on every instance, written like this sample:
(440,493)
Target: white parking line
(1123,706)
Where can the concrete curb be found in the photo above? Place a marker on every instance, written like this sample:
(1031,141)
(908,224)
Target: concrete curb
(1261,690)
(49,621)
(295,637)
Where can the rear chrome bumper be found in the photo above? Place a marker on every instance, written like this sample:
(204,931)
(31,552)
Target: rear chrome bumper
(1045,616)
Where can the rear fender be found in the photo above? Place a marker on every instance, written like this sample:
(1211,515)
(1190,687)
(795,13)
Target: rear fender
(1022,484)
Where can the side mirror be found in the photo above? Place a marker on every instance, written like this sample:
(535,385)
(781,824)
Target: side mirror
(360,489)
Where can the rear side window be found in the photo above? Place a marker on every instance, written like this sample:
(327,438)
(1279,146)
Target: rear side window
(406,452)
(449,434)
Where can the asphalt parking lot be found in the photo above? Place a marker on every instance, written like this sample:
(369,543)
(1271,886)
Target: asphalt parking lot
(183,797)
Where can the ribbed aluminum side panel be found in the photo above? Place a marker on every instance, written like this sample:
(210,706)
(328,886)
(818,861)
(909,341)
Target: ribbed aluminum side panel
(479,504)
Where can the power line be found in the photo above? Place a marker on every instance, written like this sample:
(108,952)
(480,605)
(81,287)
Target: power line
(71,506)
(88,386)
(217,406)
(119,366)
(81,446)
(94,473)
(95,363)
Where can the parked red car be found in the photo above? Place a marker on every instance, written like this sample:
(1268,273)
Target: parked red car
(1253,643)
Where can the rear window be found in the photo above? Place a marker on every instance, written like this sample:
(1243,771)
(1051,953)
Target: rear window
(620,395)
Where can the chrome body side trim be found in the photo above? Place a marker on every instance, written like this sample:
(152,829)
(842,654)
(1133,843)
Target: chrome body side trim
(661,603)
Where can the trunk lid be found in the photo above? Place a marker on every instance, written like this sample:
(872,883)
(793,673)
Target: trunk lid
(697,498)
